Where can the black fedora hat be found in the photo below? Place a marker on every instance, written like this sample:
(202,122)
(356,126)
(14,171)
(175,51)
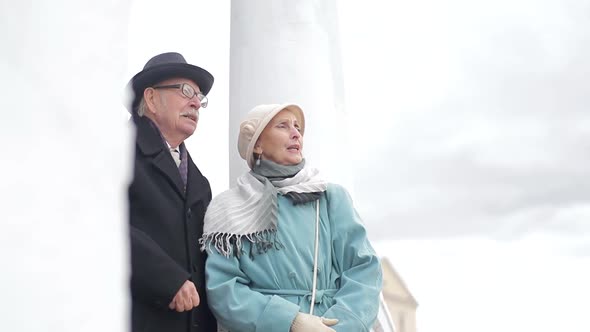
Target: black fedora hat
(165,66)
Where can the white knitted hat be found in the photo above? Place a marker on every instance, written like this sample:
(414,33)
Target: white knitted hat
(255,122)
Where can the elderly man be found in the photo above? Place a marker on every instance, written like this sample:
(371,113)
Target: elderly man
(167,199)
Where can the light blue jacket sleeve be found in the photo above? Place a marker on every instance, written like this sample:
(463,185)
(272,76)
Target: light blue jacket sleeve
(357,300)
(236,306)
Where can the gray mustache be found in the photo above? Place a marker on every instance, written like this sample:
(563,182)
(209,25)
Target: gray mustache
(191,112)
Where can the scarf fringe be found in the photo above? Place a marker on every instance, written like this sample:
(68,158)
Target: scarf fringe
(228,244)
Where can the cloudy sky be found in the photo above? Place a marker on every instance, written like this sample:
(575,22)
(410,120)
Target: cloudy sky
(469,145)
(478,111)
(475,180)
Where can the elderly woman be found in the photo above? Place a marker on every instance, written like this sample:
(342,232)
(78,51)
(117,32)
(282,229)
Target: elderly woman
(287,251)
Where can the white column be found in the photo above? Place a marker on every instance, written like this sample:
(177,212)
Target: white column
(289,51)
(65,164)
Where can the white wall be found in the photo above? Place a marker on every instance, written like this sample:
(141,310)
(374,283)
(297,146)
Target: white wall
(64,167)
(289,51)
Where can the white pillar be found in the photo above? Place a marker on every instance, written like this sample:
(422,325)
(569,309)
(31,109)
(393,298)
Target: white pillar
(288,51)
(65,165)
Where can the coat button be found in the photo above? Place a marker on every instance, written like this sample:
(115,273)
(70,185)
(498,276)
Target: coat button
(189,213)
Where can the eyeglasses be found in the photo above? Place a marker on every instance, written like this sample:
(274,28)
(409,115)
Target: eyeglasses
(188,91)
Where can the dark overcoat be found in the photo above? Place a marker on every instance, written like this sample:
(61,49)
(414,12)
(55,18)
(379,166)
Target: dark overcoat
(165,225)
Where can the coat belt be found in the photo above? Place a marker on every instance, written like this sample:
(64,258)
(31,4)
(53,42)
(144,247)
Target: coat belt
(319,293)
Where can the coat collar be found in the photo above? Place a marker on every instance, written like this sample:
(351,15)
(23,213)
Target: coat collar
(151,145)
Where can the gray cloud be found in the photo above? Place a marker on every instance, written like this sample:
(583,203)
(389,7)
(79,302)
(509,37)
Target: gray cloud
(502,150)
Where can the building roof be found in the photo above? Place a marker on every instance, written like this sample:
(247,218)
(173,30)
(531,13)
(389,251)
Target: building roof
(394,287)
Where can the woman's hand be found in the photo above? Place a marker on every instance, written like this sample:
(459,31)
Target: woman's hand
(309,323)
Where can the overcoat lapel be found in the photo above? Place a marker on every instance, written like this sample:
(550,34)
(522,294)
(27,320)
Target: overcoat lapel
(150,144)
(164,162)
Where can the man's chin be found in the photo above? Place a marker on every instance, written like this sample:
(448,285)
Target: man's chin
(189,127)
(188,132)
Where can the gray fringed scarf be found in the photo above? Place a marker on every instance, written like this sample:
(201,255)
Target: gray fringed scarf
(269,172)
(249,210)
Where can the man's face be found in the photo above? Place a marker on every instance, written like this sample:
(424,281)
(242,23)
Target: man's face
(175,114)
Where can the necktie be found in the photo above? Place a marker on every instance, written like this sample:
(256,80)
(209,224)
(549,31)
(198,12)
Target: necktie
(183,167)
(175,155)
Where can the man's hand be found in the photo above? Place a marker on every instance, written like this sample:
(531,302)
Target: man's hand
(186,298)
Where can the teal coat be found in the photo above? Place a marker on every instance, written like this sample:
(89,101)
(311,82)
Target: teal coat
(265,292)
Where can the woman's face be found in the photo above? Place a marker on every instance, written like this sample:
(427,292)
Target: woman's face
(281,140)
